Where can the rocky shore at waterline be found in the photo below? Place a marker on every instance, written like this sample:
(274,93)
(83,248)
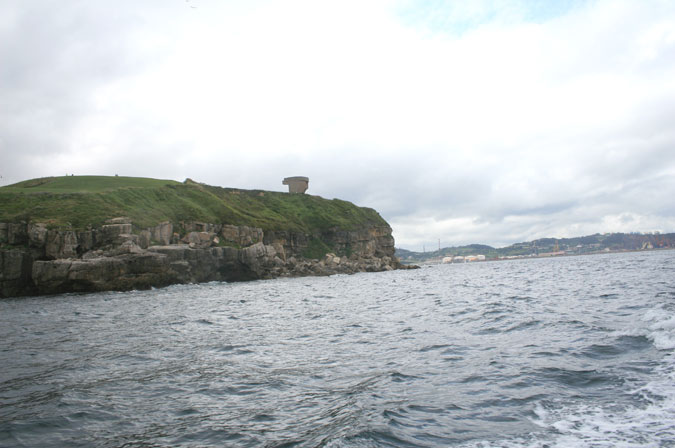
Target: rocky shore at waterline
(118,256)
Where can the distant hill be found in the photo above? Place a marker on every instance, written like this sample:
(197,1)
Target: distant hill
(548,246)
(471,249)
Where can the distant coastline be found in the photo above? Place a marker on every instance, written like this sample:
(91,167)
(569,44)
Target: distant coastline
(544,247)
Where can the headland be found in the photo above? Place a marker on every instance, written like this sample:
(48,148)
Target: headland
(100,233)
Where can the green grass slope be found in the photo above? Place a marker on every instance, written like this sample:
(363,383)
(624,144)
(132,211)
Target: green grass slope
(88,201)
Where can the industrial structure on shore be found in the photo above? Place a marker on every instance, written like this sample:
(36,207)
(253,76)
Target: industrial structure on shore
(465,259)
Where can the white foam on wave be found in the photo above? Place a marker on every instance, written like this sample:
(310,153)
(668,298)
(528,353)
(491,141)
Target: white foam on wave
(657,325)
(584,426)
(590,426)
(661,329)
(650,424)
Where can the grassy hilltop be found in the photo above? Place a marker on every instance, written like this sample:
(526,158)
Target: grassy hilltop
(88,201)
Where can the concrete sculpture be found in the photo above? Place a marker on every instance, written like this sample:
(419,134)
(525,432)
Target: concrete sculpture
(296,184)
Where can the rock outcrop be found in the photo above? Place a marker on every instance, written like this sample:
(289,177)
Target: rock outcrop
(38,260)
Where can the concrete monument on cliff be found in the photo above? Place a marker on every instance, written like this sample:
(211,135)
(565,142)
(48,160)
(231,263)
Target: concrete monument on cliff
(296,184)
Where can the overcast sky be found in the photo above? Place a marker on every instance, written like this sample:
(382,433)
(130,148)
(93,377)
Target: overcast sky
(466,121)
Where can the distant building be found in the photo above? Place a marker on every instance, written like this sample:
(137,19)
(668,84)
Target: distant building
(296,184)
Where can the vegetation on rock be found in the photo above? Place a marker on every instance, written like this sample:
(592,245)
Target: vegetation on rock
(81,202)
(94,233)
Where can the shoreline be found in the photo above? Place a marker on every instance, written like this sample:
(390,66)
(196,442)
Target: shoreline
(433,262)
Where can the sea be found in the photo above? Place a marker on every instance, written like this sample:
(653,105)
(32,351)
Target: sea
(546,352)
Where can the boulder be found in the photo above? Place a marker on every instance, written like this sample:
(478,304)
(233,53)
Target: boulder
(120,273)
(144,239)
(86,240)
(15,273)
(200,240)
(109,233)
(256,253)
(97,271)
(125,238)
(37,235)
(17,234)
(331,259)
(258,259)
(195,226)
(51,277)
(173,252)
(162,233)
(127,247)
(242,236)
(13,264)
(92,254)
(279,249)
(61,244)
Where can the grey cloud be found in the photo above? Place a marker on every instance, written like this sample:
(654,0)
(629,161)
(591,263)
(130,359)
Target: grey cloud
(58,55)
(55,54)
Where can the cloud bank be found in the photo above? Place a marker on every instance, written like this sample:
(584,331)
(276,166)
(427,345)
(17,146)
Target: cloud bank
(490,122)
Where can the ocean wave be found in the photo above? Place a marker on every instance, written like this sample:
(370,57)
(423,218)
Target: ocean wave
(646,423)
(661,328)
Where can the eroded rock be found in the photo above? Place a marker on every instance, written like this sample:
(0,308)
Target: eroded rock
(112,257)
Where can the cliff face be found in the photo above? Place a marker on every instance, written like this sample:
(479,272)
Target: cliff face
(114,257)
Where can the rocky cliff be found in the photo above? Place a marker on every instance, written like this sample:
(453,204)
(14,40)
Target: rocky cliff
(43,258)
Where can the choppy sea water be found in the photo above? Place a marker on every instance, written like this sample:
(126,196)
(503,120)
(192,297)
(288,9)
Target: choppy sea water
(561,352)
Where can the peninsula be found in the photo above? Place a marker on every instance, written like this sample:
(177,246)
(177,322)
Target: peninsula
(98,233)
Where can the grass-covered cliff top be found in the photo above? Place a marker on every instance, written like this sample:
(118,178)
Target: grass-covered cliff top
(84,201)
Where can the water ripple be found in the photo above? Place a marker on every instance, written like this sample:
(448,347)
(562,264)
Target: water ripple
(544,352)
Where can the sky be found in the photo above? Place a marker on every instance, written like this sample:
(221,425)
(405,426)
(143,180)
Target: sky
(462,122)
